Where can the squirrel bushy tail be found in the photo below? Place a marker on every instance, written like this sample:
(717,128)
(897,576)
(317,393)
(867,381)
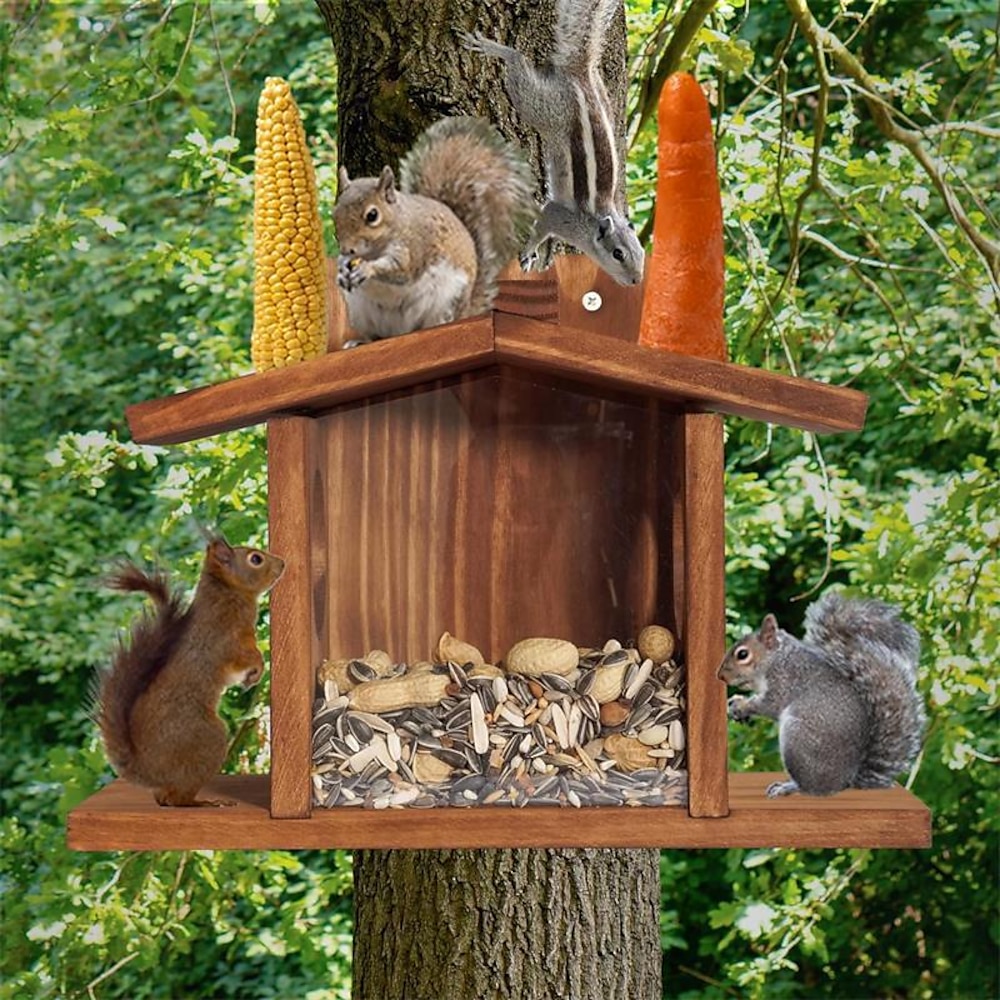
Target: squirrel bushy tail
(465,163)
(857,633)
(135,664)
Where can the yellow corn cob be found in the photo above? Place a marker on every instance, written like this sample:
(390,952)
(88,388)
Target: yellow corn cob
(289,309)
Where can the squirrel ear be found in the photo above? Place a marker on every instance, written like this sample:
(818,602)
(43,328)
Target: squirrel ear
(386,184)
(604,226)
(345,181)
(768,633)
(220,550)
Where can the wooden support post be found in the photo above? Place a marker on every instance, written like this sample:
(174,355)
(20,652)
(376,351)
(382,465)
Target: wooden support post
(296,528)
(704,613)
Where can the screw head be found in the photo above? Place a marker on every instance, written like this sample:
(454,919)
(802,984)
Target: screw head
(592,301)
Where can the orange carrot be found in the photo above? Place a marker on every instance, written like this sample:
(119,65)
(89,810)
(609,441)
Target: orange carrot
(683,298)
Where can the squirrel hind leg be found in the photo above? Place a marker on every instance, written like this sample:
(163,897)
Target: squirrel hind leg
(186,798)
(778,788)
(870,778)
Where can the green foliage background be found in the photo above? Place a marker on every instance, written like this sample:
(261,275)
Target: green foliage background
(126,139)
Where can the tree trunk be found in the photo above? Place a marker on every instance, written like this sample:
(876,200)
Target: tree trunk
(462,925)
(401,66)
(526,924)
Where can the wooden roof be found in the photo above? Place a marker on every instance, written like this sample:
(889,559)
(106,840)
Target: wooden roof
(601,363)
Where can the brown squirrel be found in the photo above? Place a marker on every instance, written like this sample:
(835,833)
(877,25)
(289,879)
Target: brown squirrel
(429,251)
(844,696)
(157,704)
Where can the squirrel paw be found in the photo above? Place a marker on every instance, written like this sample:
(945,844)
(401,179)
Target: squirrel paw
(739,708)
(476,42)
(173,798)
(351,272)
(778,788)
(539,257)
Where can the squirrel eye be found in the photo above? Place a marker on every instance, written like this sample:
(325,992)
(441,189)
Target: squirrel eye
(618,254)
(255,559)
(372,216)
(742,654)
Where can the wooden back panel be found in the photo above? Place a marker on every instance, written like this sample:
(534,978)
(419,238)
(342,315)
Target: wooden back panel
(495,507)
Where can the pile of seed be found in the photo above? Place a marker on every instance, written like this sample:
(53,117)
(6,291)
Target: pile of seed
(491,737)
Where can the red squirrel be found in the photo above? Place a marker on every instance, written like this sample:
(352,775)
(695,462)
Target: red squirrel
(157,704)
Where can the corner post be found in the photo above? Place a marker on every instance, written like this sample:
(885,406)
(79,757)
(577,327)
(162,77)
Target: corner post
(293,471)
(704,613)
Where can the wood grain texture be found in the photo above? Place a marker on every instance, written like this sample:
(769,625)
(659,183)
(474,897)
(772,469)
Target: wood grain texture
(596,360)
(338,330)
(695,383)
(494,507)
(123,817)
(618,314)
(295,521)
(535,294)
(316,385)
(704,616)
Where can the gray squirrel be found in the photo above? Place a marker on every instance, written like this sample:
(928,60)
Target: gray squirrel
(568,104)
(844,695)
(430,250)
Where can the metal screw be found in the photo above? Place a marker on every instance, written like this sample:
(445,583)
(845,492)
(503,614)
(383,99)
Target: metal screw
(592,301)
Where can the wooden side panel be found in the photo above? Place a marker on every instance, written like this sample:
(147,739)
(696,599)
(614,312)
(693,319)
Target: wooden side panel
(704,614)
(296,515)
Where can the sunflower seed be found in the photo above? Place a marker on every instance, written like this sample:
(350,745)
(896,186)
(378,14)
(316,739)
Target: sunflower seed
(480,734)
(458,675)
(615,657)
(586,682)
(360,729)
(677,739)
(555,683)
(359,671)
(500,690)
(654,735)
(636,677)
(514,717)
(561,726)
(376,722)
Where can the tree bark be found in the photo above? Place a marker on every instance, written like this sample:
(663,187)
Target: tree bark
(401,66)
(526,924)
(462,925)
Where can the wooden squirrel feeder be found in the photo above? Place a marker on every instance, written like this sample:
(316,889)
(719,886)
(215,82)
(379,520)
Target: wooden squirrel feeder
(533,471)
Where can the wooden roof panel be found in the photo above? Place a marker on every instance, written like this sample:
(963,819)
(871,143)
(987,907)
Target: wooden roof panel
(602,363)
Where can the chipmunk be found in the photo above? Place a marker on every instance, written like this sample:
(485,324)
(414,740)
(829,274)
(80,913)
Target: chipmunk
(157,704)
(430,251)
(568,104)
(845,698)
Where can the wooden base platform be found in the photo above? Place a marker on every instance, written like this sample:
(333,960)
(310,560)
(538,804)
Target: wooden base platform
(122,817)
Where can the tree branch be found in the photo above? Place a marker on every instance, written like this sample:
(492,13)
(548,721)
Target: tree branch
(649,93)
(885,117)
